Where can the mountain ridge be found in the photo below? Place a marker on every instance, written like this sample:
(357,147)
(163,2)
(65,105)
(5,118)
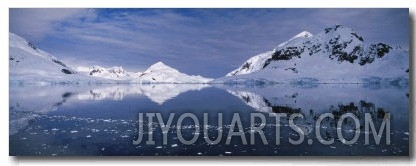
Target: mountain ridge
(29,64)
(335,55)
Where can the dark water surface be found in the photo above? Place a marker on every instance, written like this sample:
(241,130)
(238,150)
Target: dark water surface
(104,119)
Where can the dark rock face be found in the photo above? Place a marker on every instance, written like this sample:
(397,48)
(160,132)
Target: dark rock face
(314,49)
(327,30)
(337,46)
(375,51)
(66,71)
(286,53)
(382,49)
(357,36)
(31,45)
(337,50)
(95,71)
(246,66)
(59,62)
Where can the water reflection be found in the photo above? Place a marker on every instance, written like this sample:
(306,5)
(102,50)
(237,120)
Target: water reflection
(103,120)
(383,103)
(27,102)
(158,93)
(284,98)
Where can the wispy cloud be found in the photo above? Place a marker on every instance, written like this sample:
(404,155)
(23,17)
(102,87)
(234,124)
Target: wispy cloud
(38,22)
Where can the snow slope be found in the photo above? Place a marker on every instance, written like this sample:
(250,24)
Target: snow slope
(304,34)
(25,58)
(113,73)
(156,73)
(26,62)
(335,55)
(253,64)
(29,64)
(257,62)
(161,73)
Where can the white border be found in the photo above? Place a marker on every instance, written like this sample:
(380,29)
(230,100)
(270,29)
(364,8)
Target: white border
(6,4)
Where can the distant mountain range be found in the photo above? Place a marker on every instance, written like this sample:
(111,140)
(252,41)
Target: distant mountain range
(336,55)
(29,64)
(156,73)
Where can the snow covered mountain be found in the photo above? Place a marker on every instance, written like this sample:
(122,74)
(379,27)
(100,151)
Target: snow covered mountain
(304,34)
(161,73)
(113,73)
(29,64)
(156,73)
(335,55)
(27,58)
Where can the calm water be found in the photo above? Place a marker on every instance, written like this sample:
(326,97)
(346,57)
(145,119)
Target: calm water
(104,119)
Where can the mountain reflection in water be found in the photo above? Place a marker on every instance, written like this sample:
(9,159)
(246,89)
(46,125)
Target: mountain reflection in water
(103,119)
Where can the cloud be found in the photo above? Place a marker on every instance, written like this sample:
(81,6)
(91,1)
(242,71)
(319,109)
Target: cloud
(36,22)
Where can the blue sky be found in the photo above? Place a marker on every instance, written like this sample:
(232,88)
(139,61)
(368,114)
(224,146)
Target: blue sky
(207,42)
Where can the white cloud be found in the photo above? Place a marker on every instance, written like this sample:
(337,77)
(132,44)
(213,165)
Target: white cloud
(35,23)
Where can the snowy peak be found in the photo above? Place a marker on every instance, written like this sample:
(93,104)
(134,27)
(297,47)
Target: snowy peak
(303,34)
(30,64)
(162,73)
(257,62)
(113,73)
(156,73)
(160,66)
(338,43)
(337,54)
